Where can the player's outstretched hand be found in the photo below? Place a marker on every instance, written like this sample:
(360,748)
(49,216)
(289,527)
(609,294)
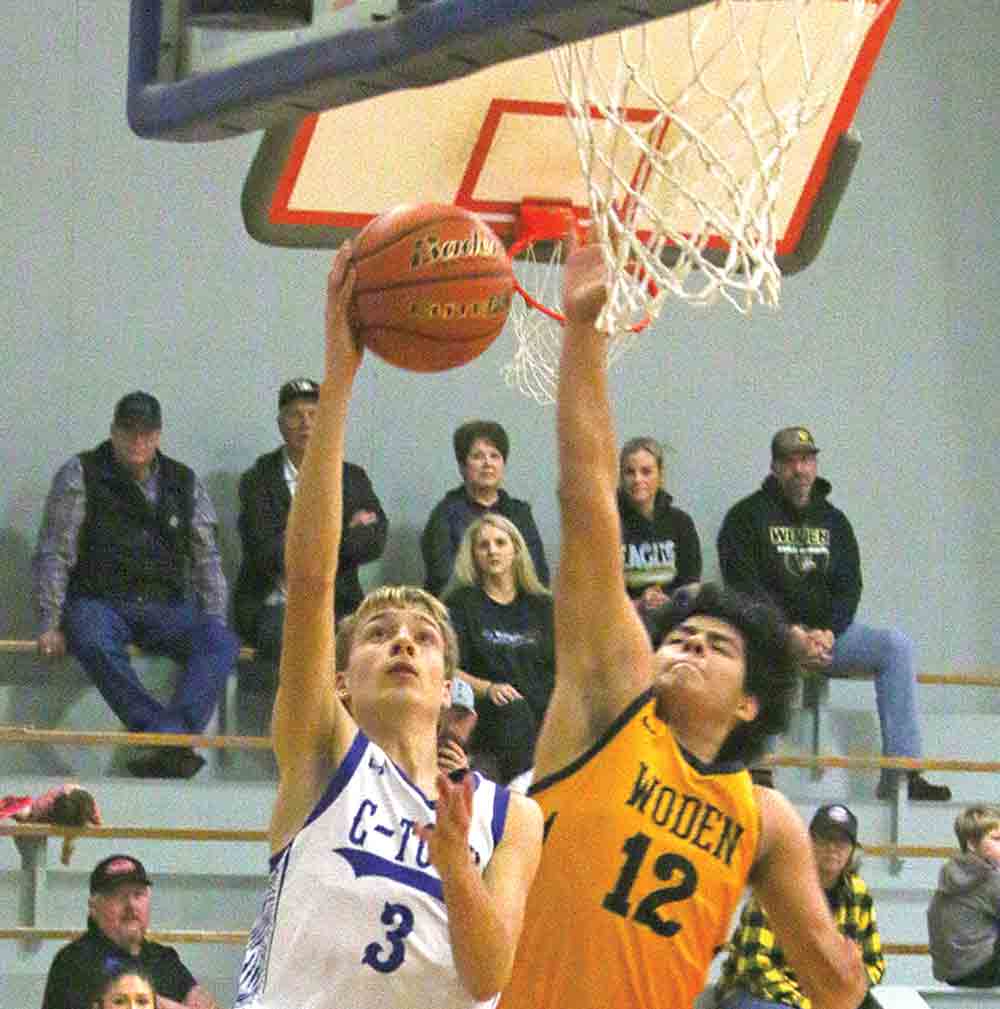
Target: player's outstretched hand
(448,837)
(343,349)
(584,284)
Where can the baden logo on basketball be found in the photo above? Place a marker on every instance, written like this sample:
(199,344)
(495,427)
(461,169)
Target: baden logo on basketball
(485,308)
(430,249)
(432,286)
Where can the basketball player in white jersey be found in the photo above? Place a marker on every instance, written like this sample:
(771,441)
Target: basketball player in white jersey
(391,885)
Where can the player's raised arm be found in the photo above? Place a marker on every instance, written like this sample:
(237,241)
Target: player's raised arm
(786,882)
(602,652)
(311,729)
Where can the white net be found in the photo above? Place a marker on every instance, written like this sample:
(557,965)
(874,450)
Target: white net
(684,149)
(534,368)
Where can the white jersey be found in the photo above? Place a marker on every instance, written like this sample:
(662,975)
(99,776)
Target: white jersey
(354,914)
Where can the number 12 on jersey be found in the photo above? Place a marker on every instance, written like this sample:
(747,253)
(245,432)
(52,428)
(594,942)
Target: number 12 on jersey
(669,867)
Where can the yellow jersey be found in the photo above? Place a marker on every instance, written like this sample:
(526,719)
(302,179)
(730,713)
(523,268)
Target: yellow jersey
(646,856)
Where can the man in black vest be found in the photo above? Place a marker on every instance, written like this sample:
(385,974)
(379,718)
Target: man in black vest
(266,491)
(127,532)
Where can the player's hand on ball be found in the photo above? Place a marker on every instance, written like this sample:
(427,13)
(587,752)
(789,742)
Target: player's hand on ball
(343,349)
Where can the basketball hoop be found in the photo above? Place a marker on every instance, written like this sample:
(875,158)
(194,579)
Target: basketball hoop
(543,231)
(683,178)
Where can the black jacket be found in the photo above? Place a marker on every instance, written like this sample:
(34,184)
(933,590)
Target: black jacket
(663,550)
(264,506)
(805,561)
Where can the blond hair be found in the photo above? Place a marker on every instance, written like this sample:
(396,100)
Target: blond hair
(398,597)
(466,571)
(974,823)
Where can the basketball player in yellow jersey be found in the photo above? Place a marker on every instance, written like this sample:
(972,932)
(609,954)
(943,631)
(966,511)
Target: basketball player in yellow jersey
(653,827)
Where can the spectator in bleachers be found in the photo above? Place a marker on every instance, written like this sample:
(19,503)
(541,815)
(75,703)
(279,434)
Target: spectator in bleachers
(660,545)
(455,729)
(756,974)
(786,541)
(481,451)
(127,534)
(266,491)
(124,987)
(963,919)
(502,615)
(117,922)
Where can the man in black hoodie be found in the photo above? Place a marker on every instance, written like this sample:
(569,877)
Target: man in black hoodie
(787,542)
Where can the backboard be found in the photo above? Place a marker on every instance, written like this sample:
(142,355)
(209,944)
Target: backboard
(489,140)
(191,82)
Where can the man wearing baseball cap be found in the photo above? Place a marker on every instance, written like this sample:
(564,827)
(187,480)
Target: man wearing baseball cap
(117,922)
(756,974)
(787,542)
(266,491)
(128,533)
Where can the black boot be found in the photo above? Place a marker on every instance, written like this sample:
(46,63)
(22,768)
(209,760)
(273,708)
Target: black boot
(918,787)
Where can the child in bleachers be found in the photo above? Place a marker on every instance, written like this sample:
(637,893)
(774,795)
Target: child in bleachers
(963,920)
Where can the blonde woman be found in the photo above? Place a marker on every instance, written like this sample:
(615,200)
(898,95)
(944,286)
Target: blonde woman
(502,615)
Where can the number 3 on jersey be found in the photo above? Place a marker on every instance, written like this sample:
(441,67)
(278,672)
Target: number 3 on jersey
(387,957)
(666,867)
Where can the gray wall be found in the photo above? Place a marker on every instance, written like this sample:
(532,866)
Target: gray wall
(128,266)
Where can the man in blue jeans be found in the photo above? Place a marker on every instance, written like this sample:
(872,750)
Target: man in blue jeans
(787,542)
(127,533)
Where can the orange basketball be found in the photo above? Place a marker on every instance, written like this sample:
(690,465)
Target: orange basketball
(433,286)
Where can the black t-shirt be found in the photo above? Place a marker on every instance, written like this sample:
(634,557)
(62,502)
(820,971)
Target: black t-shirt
(79,968)
(507,643)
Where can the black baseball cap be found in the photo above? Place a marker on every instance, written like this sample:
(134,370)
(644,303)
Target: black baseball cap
(139,409)
(298,388)
(835,818)
(117,869)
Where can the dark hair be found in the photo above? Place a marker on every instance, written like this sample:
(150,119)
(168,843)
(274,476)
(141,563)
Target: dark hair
(772,674)
(76,808)
(472,430)
(118,970)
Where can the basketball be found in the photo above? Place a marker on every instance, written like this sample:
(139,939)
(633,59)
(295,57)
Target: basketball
(433,286)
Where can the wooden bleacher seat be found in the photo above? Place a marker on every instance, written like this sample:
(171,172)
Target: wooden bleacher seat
(33,846)
(28,933)
(816,690)
(228,703)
